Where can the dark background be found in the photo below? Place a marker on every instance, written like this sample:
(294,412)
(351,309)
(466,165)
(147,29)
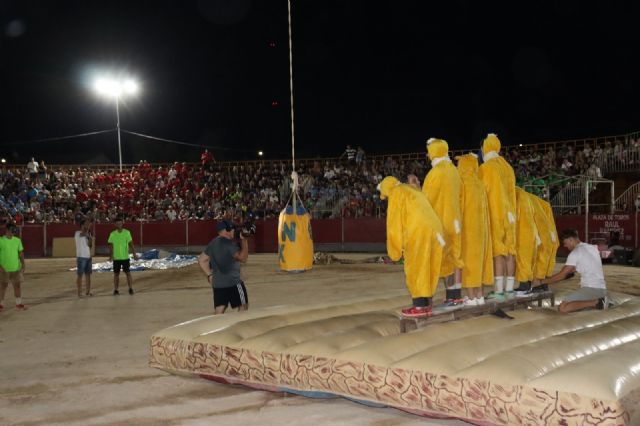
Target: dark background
(383,75)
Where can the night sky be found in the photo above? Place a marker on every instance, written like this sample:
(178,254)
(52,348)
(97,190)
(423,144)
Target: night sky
(383,75)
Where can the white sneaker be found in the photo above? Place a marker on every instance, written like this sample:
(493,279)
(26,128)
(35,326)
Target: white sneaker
(480,301)
(470,302)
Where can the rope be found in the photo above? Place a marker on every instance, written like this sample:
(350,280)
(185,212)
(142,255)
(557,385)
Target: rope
(293,137)
(294,176)
(59,138)
(182,143)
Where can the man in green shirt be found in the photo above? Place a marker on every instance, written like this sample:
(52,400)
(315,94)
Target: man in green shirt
(120,242)
(11,265)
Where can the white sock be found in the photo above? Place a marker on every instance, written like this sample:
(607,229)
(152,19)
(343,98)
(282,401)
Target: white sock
(456,286)
(498,285)
(18,300)
(510,282)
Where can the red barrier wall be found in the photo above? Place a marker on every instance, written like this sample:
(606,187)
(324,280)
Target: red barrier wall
(325,231)
(201,232)
(164,234)
(33,240)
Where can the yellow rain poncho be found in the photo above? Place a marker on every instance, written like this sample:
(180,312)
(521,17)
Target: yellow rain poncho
(546,258)
(442,188)
(499,181)
(476,232)
(526,235)
(415,233)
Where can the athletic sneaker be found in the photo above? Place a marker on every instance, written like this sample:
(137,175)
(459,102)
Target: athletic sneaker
(417,312)
(524,286)
(480,301)
(130,290)
(498,297)
(21,307)
(509,294)
(540,289)
(470,302)
(116,292)
(603,303)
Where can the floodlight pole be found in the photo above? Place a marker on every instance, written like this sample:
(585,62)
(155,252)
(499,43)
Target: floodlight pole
(118,128)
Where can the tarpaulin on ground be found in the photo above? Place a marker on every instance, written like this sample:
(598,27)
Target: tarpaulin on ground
(149,260)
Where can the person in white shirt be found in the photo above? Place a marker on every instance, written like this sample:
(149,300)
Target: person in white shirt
(32,168)
(83,240)
(585,260)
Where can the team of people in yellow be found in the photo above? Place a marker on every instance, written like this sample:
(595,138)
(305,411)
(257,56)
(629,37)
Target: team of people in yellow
(472,227)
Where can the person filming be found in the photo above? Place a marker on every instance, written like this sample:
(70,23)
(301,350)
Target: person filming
(220,261)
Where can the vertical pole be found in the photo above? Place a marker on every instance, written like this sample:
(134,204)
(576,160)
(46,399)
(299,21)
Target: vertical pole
(141,238)
(44,235)
(342,234)
(636,242)
(118,127)
(586,211)
(186,235)
(293,134)
(613,198)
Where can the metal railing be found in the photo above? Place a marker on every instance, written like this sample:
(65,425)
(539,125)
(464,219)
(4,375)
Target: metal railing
(574,196)
(626,200)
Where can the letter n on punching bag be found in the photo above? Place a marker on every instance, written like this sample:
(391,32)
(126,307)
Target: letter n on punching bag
(295,243)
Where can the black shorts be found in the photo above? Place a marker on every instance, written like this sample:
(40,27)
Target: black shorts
(235,296)
(121,264)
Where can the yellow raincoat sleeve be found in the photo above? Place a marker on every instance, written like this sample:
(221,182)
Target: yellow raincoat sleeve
(395,211)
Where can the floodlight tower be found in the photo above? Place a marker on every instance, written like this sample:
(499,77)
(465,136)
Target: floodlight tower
(116,89)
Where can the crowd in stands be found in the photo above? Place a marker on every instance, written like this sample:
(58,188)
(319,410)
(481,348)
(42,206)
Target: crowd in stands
(345,186)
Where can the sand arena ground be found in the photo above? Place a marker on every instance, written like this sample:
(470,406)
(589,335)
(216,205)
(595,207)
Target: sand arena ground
(85,361)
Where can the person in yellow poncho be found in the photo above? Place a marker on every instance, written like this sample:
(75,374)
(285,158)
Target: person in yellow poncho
(527,237)
(442,188)
(415,233)
(546,254)
(476,233)
(499,181)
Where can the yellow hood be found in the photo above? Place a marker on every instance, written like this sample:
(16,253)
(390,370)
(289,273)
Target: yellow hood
(437,148)
(387,185)
(468,164)
(491,143)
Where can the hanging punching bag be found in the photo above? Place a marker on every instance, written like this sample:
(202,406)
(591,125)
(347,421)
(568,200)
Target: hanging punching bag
(295,240)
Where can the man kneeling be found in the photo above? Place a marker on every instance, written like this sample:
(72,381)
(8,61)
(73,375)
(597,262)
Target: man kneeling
(584,259)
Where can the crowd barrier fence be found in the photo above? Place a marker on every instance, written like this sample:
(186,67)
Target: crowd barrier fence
(340,234)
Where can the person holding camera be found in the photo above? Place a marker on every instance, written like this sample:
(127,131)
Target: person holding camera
(220,261)
(84,240)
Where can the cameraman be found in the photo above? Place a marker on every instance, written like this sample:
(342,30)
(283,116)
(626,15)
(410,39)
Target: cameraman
(220,260)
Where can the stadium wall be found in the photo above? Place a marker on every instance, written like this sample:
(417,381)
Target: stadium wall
(363,234)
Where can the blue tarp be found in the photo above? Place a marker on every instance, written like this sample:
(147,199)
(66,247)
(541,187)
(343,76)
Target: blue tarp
(149,260)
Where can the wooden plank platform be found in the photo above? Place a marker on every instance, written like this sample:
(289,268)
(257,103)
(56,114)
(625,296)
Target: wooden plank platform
(490,307)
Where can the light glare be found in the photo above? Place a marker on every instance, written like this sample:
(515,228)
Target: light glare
(115,88)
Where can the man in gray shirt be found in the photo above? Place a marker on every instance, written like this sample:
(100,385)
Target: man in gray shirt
(220,260)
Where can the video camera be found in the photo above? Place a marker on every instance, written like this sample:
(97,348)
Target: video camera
(247,229)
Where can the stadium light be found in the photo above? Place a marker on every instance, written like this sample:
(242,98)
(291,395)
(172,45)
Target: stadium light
(260,153)
(116,89)
(3,160)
